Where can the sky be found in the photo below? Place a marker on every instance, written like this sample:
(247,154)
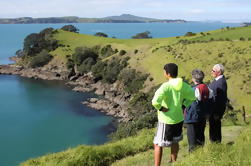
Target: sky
(191,10)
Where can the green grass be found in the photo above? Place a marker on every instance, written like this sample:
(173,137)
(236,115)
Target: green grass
(96,155)
(232,34)
(230,133)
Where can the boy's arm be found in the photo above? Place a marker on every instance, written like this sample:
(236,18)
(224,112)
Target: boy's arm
(158,97)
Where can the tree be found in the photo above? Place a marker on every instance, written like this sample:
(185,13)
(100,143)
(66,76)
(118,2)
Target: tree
(70,28)
(190,34)
(82,53)
(143,35)
(41,59)
(100,34)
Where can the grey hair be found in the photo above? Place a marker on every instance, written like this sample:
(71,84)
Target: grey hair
(219,67)
(198,75)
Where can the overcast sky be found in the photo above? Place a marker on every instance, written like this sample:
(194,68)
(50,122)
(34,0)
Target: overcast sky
(223,10)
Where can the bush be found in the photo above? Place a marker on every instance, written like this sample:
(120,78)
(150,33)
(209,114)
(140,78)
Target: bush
(107,51)
(100,34)
(82,53)
(86,65)
(98,70)
(242,39)
(41,59)
(190,34)
(132,80)
(122,52)
(112,70)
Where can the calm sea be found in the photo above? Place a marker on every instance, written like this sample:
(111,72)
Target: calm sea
(39,117)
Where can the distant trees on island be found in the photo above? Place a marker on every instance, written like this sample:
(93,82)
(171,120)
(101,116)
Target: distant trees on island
(70,28)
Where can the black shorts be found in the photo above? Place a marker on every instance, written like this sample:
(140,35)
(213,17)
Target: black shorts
(167,134)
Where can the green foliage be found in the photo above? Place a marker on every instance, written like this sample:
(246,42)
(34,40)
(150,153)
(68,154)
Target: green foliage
(127,129)
(112,70)
(190,34)
(36,42)
(70,28)
(100,34)
(82,53)
(242,39)
(97,155)
(107,51)
(143,35)
(70,64)
(143,114)
(132,80)
(122,52)
(86,65)
(40,59)
(98,70)
(108,71)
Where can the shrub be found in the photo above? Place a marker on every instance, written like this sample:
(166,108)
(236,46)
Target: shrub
(132,80)
(190,34)
(82,53)
(122,52)
(86,65)
(41,59)
(242,39)
(100,34)
(107,51)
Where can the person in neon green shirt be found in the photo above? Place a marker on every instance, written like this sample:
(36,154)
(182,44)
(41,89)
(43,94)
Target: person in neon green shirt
(168,100)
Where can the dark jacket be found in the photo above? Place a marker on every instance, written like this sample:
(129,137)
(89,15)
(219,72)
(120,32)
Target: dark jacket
(198,110)
(219,88)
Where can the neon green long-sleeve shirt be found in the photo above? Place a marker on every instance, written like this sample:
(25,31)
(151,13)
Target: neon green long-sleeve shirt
(170,95)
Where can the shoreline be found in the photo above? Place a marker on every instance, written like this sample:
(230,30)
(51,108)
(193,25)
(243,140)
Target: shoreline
(111,99)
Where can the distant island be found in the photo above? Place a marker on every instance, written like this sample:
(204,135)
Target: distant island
(124,18)
(246,23)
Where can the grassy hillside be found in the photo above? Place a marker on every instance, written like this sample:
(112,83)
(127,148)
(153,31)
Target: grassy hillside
(229,133)
(97,155)
(202,51)
(199,52)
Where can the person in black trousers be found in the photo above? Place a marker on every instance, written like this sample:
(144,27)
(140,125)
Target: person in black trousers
(219,87)
(197,113)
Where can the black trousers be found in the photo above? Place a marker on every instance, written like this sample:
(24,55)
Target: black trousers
(195,134)
(215,130)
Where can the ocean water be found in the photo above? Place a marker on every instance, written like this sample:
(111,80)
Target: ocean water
(39,117)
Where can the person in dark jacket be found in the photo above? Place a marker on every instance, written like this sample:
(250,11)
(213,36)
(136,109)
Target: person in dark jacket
(219,87)
(198,111)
